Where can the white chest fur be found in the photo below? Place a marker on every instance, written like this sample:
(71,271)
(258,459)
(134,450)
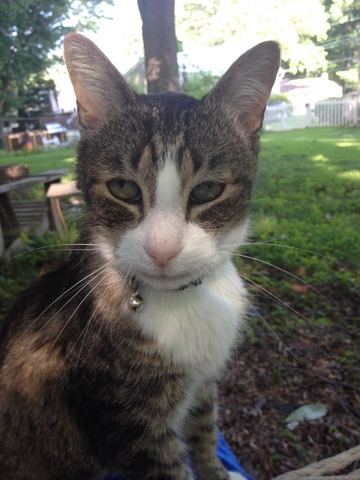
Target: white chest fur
(198,326)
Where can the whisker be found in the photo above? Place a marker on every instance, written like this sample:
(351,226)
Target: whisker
(83,334)
(55,249)
(74,219)
(67,292)
(270,295)
(269,327)
(71,316)
(286,246)
(269,244)
(286,272)
(267,324)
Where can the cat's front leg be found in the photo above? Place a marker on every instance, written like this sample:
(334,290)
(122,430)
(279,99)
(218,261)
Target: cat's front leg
(158,458)
(201,437)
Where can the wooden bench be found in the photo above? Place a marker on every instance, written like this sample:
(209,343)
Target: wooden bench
(15,216)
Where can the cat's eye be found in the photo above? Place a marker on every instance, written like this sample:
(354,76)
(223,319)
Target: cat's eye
(125,190)
(206,192)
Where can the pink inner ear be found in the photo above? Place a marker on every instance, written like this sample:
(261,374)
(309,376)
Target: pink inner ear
(86,117)
(245,88)
(99,87)
(92,107)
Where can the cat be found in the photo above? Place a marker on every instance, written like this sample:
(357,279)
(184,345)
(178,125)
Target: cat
(110,363)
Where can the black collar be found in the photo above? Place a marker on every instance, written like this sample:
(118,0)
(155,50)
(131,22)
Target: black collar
(196,282)
(136,303)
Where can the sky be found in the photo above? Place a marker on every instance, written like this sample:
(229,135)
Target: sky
(112,37)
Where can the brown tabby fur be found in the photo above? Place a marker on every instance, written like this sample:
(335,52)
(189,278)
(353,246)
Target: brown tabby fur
(83,390)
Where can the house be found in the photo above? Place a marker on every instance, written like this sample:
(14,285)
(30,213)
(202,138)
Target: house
(302,91)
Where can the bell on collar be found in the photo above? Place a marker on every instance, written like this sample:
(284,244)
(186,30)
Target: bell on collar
(135,301)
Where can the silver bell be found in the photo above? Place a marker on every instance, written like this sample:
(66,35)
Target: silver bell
(136,302)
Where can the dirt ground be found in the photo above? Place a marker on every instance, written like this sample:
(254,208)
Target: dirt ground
(267,381)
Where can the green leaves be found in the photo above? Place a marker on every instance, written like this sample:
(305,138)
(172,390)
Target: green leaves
(30,32)
(247,23)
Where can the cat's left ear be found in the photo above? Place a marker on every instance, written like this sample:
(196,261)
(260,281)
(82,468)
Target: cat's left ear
(244,89)
(99,88)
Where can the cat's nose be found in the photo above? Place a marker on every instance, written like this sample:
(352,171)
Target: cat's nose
(162,253)
(163,238)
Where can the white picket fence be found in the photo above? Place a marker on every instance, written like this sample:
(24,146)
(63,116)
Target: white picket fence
(330,113)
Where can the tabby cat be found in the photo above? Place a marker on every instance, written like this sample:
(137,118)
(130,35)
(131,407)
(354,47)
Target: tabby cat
(110,363)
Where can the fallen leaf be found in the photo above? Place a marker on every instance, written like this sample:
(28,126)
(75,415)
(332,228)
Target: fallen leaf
(312,411)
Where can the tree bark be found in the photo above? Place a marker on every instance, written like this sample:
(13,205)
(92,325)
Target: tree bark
(358,86)
(160,45)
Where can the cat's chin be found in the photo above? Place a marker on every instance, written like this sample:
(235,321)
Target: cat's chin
(166,282)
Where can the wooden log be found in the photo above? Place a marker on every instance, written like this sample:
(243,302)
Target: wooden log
(9,173)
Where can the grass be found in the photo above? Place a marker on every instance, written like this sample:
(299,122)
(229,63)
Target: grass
(305,233)
(40,159)
(307,198)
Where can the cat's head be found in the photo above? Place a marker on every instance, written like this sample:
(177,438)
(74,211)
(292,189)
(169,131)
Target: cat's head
(167,178)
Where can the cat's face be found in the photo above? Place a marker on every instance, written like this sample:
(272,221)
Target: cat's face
(167,178)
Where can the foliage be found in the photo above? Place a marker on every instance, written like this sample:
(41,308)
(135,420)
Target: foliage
(199,84)
(30,32)
(136,82)
(348,78)
(278,97)
(298,30)
(342,43)
(35,97)
(42,254)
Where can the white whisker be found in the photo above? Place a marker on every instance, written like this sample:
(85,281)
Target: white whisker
(56,248)
(284,271)
(67,292)
(273,331)
(270,295)
(76,309)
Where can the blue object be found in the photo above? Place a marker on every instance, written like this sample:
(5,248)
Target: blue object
(228,458)
(224,453)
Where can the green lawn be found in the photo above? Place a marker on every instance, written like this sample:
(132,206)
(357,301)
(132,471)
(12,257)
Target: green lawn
(41,159)
(306,223)
(308,197)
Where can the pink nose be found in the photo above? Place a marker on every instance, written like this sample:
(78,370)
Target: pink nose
(162,254)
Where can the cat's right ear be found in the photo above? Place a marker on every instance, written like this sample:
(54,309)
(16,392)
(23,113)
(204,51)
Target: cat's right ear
(99,87)
(244,89)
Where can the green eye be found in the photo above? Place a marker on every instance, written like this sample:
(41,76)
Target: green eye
(125,190)
(206,192)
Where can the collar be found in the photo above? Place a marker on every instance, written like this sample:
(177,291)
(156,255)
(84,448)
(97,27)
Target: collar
(136,303)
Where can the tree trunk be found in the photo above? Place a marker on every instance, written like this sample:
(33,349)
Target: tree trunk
(160,45)
(358,87)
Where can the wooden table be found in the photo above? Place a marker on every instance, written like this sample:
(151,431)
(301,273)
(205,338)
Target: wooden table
(13,140)
(15,215)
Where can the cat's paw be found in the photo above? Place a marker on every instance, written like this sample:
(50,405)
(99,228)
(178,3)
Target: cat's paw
(236,476)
